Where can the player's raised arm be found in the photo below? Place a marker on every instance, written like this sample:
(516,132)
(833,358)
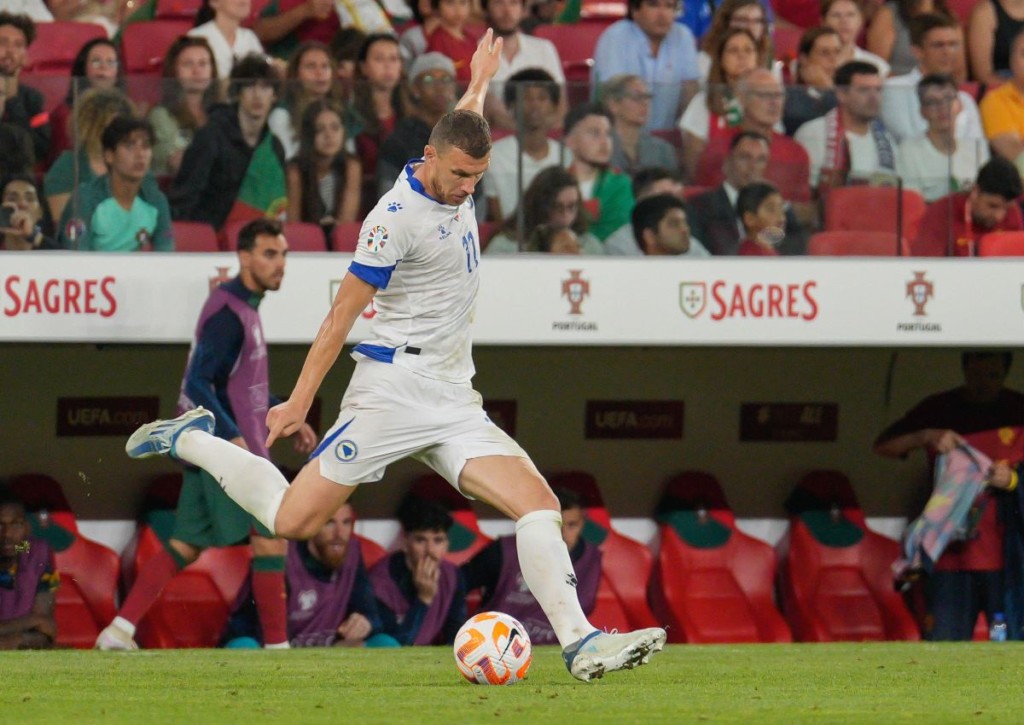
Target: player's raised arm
(483,66)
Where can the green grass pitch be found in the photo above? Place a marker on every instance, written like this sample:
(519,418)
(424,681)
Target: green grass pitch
(750,684)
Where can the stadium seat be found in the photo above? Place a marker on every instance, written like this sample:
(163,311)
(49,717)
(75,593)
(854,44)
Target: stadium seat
(608,613)
(52,517)
(835,573)
(856,244)
(177,9)
(465,538)
(845,209)
(713,583)
(961,9)
(1001,244)
(89,574)
(345,237)
(608,10)
(690,191)
(57,43)
(372,551)
(194,237)
(626,564)
(575,44)
(301,236)
(144,45)
(787,42)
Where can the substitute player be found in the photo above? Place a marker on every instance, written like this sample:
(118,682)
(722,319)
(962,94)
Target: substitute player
(410,395)
(226,373)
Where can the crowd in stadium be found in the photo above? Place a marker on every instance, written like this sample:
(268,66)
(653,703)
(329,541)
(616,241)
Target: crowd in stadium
(308,110)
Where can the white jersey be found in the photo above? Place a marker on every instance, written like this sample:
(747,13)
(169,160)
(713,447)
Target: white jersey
(423,258)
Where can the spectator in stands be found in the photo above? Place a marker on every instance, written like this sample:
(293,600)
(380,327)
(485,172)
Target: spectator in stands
(552,198)
(452,36)
(1002,110)
(761,98)
(345,47)
(378,96)
(715,111)
(968,576)
(650,44)
(30,225)
(124,209)
(495,570)
(533,95)
(749,15)
(100,12)
(97,65)
(938,163)
(421,596)
(23,106)
(647,182)
(16,153)
(518,52)
(607,194)
(889,36)
(28,580)
(762,211)
(937,45)
(94,110)
(660,228)
(284,24)
(188,94)
(220,22)
(330,600)
(993,27)
(310,77)
(324,180)
(546,239)
(813,93)
(413,39)
(234,168)
(431,95)
(628,100)
(953,225)
(846,17)
(36,10)
(714,216)
(851,142)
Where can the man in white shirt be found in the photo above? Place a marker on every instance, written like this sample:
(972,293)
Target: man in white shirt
(35,9)
(850,141)
(936,42)
(533,95)
(519,51)
(938,163)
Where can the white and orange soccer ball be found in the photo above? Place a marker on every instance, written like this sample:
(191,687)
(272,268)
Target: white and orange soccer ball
(493,648)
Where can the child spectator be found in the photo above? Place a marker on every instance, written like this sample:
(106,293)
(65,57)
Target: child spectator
(97,65)
(324,181)
(452,37)
(30,224)
(23,105)
(762,211)
(220,22)
(546,239)
(189,92)
(310,77)
(378,96)
(29,580)
(123,210)
(82,164)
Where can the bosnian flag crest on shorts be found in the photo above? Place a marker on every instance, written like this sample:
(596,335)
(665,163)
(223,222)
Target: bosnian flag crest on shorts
(377,239)
(346,451)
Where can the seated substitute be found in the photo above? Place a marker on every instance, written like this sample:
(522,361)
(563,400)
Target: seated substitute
(495,569)
(27,581)
(123,210)
(421,596)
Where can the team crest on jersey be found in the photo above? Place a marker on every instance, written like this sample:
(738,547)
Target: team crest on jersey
(394,206)
(445,233)
(307,599)
(346,451)
(377,239)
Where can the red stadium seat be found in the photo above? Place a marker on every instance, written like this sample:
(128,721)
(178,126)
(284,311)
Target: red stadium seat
(85,599)
(1001,244)
(465,538)
(194,237)
(962,9)
(845,207)
(787,42)
(691,191)
(625,563)
(42,493)
(345,237)
(575,44)
(836,574)
(57,43)
(305,237)
(856,244)
(608,612)
(372,551)
(713,583)
(144,44)
(177,9)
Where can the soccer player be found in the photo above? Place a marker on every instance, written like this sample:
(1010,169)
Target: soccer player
(410,395)
(227,372)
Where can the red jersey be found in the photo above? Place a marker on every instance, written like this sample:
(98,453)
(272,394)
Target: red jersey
(460,50)
(948,221)
(750,248)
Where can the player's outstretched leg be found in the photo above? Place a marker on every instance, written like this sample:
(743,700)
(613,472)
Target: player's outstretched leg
(514,486)
(254,483)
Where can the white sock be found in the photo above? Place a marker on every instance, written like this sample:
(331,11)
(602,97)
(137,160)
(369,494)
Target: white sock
(547,570)
(128,627)
(253,483)
(278,645)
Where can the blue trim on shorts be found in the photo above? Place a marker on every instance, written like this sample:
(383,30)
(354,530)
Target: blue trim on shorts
(380,353)
(379,277)
(329,440)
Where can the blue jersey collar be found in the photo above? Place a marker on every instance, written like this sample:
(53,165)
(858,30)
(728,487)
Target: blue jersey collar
(417,185)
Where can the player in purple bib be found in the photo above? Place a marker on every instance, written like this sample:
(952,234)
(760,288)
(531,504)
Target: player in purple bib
(27,582)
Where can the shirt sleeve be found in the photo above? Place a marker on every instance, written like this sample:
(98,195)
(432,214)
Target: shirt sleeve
(380,247)
(997,116)
(363,601)
(483,570)
(217,349)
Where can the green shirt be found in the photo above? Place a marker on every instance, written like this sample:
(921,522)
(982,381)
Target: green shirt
(614,194)
(99,223)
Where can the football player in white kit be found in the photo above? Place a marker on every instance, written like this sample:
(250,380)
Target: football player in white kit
(411,395)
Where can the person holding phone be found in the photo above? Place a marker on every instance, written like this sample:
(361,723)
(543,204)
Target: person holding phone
(24,220)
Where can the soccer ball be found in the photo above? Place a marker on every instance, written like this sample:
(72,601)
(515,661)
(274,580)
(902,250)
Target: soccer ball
(493,648)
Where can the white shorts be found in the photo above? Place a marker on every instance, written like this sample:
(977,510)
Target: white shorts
(390,413)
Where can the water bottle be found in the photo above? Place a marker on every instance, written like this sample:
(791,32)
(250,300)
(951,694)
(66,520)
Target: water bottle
(997,632)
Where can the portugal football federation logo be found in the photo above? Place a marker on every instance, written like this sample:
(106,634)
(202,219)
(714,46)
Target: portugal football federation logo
(576,289)
(920,290)
(693,297)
